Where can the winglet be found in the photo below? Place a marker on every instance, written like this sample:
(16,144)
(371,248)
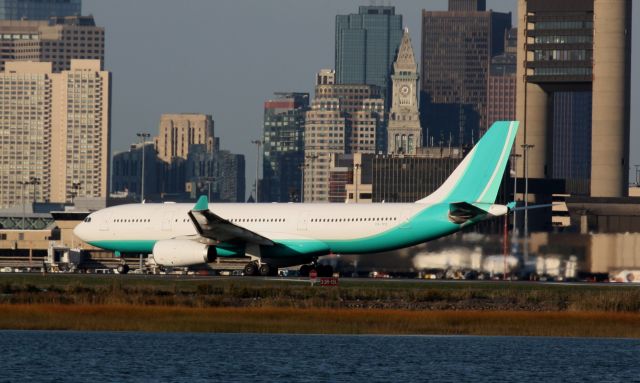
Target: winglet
(202,204)
(511,205)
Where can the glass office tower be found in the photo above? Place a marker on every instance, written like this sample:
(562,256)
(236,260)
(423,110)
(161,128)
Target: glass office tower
(38,9)
(366,45)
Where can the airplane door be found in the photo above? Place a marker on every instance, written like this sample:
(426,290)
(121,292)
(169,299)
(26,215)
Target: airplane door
(303,221)
(104,222)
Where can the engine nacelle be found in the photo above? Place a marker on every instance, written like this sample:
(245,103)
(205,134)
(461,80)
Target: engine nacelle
(182,252)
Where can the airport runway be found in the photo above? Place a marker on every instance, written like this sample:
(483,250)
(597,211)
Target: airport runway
(347,281)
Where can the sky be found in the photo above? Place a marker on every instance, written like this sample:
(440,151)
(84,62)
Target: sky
(226,57)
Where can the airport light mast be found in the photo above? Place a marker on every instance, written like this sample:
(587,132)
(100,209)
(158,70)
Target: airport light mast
(143,136)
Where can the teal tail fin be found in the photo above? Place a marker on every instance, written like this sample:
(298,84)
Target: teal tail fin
(477,178)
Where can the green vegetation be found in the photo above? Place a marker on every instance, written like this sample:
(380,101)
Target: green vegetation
(249,292)
(85,302)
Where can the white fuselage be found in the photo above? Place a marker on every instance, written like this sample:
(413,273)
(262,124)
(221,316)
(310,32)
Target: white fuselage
(276,221)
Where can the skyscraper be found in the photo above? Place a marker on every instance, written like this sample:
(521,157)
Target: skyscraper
(404,132)
(283,138)
(56,131)
(179,131)
(38,9)
(366,45)
(126,172)
(343,119)
(573,93)
(457,46)
(501,84)
(58,40)
(325,130)
(219,174)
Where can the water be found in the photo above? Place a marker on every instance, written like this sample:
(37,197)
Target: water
(55,356)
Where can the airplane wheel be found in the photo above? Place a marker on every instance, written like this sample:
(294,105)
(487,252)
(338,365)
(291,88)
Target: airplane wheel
(265,270)
(123,269)
(304,270)
(250,269)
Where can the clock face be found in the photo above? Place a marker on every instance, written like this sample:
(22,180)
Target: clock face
(404,90)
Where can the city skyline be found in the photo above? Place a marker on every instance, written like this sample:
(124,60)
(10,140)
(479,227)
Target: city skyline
(279,53)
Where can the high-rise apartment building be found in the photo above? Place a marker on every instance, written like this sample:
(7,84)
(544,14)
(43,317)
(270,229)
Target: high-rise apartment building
(179,131)
(283,145)
(55,131)
(404,132)
(363,108)
(573,93)
(38,9)
(366,44)
(457,46)
(325,134)
(343,119)
(57,40)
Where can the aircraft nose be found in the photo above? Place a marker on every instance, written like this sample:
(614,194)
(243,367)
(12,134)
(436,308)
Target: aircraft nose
(80,231)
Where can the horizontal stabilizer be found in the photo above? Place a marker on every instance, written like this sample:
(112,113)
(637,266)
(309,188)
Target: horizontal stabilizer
(531,207)
(461,212)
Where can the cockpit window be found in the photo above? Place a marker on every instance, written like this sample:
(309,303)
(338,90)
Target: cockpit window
(88,219)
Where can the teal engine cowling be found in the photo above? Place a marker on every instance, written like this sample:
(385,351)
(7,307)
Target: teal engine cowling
(230,251)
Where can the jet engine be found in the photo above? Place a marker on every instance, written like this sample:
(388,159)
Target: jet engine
(182,252)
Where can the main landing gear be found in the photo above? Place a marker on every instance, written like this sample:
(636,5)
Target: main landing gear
(324,271)
(264,270)
(122,268)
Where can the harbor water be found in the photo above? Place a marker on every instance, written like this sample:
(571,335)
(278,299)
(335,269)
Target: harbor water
(67,356)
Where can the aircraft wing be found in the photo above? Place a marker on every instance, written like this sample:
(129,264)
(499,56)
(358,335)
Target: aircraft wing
(212,226)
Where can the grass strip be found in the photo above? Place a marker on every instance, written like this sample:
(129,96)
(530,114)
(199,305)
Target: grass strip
(317,321)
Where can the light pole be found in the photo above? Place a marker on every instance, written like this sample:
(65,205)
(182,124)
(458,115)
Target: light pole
(356,167)
(526,148)
(637,166)
(34,181)
(514,167)
(313,158)
(75,186)
(143,136)
(257,143)
(302,168)
(209,181)
(514,158)
(23,184)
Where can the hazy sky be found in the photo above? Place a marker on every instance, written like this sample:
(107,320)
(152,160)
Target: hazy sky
(226,57)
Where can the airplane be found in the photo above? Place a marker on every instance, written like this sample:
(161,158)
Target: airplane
(287,234)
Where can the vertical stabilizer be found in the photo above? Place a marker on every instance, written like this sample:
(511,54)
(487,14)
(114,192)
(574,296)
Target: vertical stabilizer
(477,178)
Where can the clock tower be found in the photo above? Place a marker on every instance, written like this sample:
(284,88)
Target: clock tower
(404,131)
